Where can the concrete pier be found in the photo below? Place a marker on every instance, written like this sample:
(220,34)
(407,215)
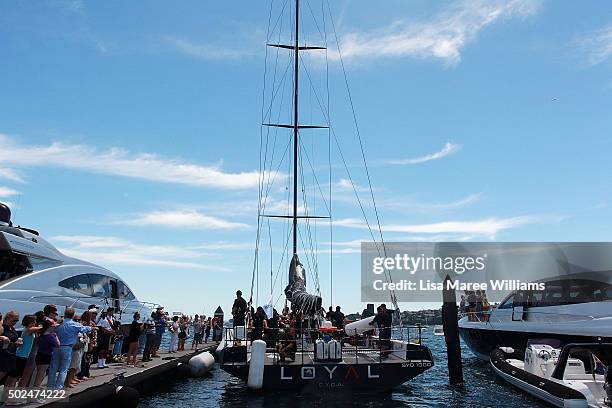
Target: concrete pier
(101,389)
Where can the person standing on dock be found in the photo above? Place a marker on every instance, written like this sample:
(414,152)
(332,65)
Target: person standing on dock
(132,339)
(207,329)
(198,331)
(67,334)
(160,329)
(150,342)
(104,336)
(174,338)
(239,309)
(89,318)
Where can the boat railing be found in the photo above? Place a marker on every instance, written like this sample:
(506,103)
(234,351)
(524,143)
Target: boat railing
(527,315)
(73,301)
(367,347)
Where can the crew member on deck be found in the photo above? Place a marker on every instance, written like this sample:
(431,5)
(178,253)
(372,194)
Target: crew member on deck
(338,319)
(286,345)
(239,309)
(330,314)
(383,320)
(258,324)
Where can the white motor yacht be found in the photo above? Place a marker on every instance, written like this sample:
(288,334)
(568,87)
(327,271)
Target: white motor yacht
(33,273)
(573,308)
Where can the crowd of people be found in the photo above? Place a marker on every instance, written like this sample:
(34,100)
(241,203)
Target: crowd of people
(64,348)
(475,305)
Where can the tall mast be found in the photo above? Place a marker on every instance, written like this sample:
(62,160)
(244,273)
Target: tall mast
(295,124)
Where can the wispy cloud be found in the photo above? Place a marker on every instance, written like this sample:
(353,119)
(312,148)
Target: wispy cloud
(73,6)
(447,150)
(189,219)
(7,192)
(110,250)
(488,227)
(206,51)
(119,162)
(12,175)
(442,37)
(596,46)
(411,205)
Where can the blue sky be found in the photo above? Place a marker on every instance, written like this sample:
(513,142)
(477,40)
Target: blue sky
(129,132)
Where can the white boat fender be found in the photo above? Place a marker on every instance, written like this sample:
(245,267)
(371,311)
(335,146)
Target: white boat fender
(507,350)
(201,363)
(256,365)
(359,327)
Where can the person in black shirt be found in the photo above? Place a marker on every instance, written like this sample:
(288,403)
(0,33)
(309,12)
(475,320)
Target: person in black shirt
(384,321)
(258,324)
(330,314)
(239,309)
(132,339)
(272,332)
(338,319)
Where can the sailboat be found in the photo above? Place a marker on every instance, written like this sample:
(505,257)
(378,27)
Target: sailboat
(323,358)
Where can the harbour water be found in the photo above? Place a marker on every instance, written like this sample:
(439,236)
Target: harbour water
(482,388)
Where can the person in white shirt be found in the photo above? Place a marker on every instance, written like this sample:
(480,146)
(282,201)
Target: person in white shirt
(174,329)
(105,334)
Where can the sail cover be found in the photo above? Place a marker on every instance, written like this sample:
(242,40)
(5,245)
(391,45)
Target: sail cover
(295,291)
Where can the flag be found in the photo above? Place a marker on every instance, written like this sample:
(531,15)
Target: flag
(268,308)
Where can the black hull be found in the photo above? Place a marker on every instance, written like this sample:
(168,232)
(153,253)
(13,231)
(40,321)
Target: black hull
(378,377)
(482,342)
(548,390)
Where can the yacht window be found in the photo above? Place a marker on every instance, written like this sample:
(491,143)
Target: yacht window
(101,285)
(124,291)
(13,265)
(43,263)
(507,304)
(553,294)
(583,290)
(571,291)
(78,283)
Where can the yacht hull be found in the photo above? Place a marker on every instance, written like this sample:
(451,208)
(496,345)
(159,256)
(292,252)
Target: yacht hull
(482,341)
(341,376)
(358,371)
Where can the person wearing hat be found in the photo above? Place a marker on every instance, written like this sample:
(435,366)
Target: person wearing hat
(105,334)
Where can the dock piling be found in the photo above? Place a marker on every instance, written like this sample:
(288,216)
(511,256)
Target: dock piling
(451,333)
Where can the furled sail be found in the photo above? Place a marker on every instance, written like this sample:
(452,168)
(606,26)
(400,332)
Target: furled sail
(296,293)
